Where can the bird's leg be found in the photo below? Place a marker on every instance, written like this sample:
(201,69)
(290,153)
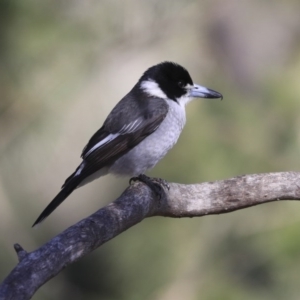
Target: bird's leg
(155,184)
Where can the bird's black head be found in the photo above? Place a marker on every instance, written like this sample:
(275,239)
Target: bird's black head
(166,79)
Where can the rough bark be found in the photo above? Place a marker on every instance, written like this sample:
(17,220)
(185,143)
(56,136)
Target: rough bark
(136,203)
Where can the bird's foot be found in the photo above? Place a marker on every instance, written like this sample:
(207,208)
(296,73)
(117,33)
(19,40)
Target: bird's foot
(161,182)
(157,185)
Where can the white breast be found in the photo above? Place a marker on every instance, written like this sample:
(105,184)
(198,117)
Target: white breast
(153,148)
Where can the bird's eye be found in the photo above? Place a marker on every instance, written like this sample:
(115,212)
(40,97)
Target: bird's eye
(181,84)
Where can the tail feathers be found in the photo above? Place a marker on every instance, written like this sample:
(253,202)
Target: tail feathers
(67,189)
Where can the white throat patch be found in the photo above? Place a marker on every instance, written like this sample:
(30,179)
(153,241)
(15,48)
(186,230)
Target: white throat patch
(152,89)
(184,100)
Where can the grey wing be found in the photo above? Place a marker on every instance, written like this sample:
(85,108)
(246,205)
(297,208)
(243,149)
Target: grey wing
(123,129)
(117,137)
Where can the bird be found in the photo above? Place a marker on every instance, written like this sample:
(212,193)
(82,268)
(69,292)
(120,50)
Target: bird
(139,131)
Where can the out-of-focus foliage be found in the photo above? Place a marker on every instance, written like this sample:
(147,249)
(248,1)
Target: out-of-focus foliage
(65,64)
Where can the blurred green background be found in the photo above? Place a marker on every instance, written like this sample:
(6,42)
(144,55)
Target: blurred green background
(65,64)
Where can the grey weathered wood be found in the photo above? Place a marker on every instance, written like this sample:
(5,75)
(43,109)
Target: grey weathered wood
(136,203)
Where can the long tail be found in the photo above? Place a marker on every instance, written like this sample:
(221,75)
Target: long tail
(67,189)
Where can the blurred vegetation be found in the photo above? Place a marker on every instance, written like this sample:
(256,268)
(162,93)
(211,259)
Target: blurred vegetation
(65,64)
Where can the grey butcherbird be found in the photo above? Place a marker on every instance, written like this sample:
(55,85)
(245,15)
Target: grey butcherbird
(139,131)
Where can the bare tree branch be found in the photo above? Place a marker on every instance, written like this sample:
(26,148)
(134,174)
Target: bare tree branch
(136,203)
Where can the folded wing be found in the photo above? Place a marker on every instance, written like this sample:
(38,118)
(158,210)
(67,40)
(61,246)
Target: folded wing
(112,140)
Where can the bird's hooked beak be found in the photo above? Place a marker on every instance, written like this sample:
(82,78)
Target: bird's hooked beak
(198,91)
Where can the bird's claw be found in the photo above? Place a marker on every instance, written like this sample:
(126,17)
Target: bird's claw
(157,185)
(161,182)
